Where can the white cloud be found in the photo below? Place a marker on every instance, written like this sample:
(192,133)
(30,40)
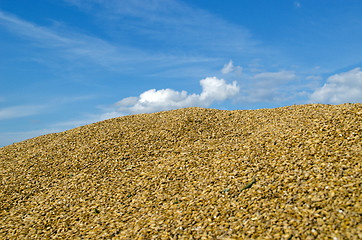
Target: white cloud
(213,89)
(20,111)
(128,101)
(340,88)
(229,68)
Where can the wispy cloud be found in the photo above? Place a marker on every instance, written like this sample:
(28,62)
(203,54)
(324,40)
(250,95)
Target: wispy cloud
(21,111)
(88,119)
(314,77)
(340,88)
(172,25)
(7,138)
(81,49)
(230,68)
(69,44)
(31,30)
(269,87)
(273,78)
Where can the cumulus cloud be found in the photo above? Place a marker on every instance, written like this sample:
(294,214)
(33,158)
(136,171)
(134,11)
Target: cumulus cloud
(230,68)
(340,88)
(213,89)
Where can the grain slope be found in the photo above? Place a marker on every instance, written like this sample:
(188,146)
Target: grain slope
(182,174)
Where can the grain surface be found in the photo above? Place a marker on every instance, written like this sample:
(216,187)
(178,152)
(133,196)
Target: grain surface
(285,173)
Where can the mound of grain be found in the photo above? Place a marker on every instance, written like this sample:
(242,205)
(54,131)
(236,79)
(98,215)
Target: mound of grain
(182,175)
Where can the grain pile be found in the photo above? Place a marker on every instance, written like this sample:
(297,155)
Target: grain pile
(183,174)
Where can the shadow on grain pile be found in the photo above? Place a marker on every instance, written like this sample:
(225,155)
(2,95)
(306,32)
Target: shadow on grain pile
(285,173)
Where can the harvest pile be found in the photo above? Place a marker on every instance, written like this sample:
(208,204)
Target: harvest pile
(182,174)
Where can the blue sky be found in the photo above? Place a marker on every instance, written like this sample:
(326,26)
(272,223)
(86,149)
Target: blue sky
(69,63)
